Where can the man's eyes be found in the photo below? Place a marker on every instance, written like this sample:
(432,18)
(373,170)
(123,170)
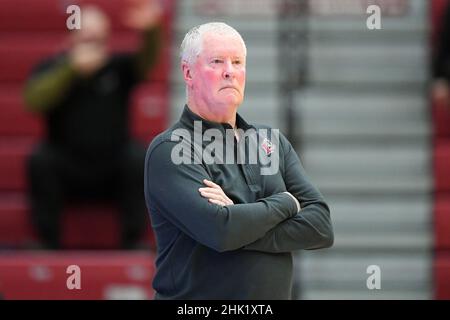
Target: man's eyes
(218,61)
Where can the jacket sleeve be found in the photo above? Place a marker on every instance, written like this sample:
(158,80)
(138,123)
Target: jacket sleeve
(310,228)
(172,190)
(146,57)
(48,85)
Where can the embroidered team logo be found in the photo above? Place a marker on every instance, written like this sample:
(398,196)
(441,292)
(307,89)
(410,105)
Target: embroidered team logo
(268,146)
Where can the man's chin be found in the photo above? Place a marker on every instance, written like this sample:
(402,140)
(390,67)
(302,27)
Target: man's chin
(231,105)
(232,100)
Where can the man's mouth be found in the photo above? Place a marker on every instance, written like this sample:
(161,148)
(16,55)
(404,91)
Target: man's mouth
(229,87)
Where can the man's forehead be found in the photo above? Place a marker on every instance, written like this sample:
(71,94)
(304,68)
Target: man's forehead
(214,37)
(217,44)
(224,53)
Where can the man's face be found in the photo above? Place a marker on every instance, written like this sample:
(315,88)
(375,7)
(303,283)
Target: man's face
(94,30)
(218,75)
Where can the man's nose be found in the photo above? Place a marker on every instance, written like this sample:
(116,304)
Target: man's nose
(228,70)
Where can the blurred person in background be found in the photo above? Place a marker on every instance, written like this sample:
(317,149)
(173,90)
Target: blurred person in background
(441,63)
(83,96)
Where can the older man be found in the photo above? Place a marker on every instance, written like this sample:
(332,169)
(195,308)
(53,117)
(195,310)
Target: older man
(225,228)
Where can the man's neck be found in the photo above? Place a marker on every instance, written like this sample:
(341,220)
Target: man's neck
(206,114)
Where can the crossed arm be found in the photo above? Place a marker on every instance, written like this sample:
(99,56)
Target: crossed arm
(272,224)
(310,228)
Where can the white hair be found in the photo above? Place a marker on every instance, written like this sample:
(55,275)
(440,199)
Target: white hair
(192,42)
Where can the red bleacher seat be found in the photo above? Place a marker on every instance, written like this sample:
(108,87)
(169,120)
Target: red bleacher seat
(442,222)
(103,231)
(15,225)
(43,15)
(13,154)
(41,275)
(93,226)
(150,111)
(19,54)
(441,166)
(14,113)
(441,120)
(101,227)
(442,276)
(50,15)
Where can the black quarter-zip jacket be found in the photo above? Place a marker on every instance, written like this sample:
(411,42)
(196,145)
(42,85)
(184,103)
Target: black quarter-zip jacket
(239,251)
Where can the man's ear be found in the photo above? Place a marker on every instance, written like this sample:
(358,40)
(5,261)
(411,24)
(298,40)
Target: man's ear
(187,72)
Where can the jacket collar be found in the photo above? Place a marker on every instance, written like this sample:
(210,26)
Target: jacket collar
(188,117)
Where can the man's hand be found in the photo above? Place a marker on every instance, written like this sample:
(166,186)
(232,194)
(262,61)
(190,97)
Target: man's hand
(441,92)
(214,194)
(142,14)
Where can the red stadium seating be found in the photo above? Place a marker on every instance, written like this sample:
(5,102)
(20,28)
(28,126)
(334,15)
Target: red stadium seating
(442,275)
(441,166)
(103,231)
(29,32)
(19,53)
(24,15)
(15,120)
(104,228)
(13,154)
(150,108)
(39,275)
(15,226)
(50,15)
(442,222)
(441,121)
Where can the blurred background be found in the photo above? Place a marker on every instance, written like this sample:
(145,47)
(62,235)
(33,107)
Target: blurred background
(367,111)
